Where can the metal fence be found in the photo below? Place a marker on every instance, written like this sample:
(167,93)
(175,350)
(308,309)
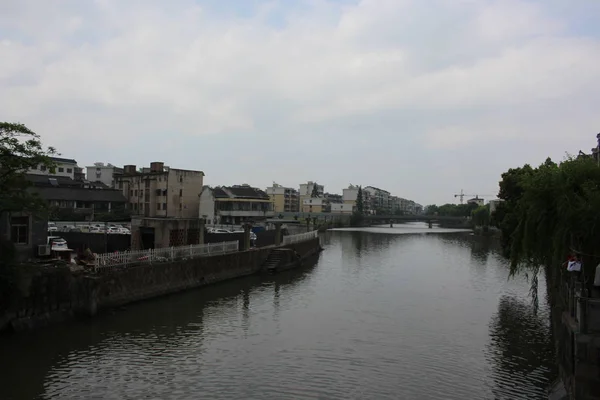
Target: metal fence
(301,237)
(129,258)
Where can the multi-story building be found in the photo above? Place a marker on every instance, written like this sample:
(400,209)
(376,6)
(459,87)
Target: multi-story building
(350,194)
(65,167)
(164,205)
(476,200)
(380,199)
(306,191)
(395,205)
(233,205)
(418,209)
(314,205)
(284,199)
(333,198)
(103,173)
(411,207)
(67,195)
(160,191)
(342,208)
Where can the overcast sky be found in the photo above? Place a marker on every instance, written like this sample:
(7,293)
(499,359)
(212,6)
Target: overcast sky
(419,97)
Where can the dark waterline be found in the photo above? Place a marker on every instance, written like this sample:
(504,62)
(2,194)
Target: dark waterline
(386,313)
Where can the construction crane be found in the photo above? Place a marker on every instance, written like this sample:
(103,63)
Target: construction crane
(462,195)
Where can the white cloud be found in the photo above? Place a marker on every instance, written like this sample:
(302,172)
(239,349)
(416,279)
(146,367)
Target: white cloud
(121,70)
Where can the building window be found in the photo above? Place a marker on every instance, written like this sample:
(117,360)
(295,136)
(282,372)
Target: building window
(141,192)
(61,169)
(42,167)
(180,192)
(135,192)
(164,206)
(158,206)
(179,206)
(69,170)
(19,230)
(131,192)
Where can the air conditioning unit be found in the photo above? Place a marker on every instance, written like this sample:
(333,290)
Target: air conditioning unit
(43,250)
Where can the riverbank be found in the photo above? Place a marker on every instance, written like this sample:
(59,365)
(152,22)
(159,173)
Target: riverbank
(50,295)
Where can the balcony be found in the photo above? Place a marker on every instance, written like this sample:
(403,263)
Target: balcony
(242,213)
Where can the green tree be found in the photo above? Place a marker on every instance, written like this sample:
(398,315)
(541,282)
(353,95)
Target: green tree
(481,216)
(550,212)
(432,209)
(315,191)
(360,206)
(20,150)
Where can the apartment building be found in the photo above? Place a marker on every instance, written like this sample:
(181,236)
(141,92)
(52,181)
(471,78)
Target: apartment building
(160,191)
(306,191)
(379,199)
(99,172)
(314,205)
(395,205)
(342,208)
(350,194)
(284,199)
(65,167)
(232,205)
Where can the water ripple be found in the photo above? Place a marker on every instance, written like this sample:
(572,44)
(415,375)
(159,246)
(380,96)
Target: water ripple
(382,316)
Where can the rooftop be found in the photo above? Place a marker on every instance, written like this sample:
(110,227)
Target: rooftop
(52,181)
(239,192)
(63,160)
(79,194)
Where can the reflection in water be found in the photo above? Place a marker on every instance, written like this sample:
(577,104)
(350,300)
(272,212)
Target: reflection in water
(520,350)
(387,313)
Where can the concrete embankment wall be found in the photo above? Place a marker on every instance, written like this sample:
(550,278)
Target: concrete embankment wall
(52,295)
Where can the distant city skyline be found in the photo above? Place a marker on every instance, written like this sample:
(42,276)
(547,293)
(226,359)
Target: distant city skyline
(422,99)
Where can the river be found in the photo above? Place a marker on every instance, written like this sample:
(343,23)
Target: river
(384,313)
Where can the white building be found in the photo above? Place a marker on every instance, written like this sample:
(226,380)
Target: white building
(64,167)
(232,205)
(475,200)
(306,191)
(313,205)
(341,208)
(494,205)
(103,173)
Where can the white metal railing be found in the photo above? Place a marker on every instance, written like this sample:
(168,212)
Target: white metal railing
(301,237)
(137,257)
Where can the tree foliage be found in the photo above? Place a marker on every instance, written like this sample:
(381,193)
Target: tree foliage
(20,150)
(550,211)
(360,206)
(481,216)
(452,210)
(315,191)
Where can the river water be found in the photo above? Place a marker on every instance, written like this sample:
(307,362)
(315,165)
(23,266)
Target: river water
(385,313)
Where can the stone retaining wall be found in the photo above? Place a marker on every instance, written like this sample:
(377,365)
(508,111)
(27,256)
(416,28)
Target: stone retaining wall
(53,295)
